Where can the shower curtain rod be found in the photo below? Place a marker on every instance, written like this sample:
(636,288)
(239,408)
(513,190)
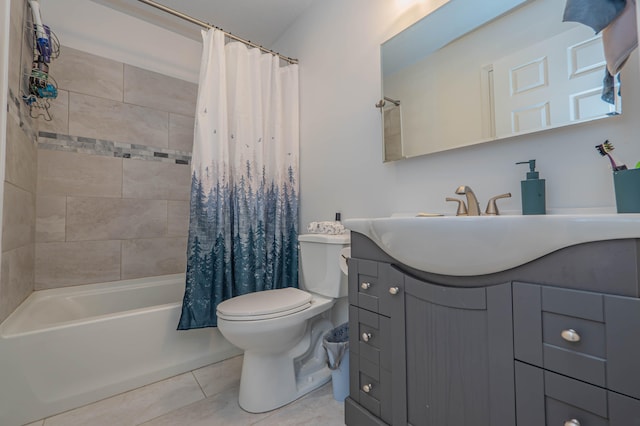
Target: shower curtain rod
(207,25)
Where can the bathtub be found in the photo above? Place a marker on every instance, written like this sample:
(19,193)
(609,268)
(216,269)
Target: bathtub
(66,347)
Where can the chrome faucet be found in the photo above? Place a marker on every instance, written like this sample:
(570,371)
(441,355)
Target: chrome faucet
(473,207)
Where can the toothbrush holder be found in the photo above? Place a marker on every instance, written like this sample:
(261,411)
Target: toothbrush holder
(627,187)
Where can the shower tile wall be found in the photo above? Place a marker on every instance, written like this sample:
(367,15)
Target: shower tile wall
(113,178)
(18,227)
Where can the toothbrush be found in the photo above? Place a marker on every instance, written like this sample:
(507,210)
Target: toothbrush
(605,149)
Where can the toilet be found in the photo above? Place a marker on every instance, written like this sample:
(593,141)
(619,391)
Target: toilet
(281,330)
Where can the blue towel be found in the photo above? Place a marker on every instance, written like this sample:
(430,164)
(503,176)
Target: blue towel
(608,88)
(596,14)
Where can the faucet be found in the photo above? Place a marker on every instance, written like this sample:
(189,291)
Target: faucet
(492,208)
(472,202)
(474,206)
(462,207)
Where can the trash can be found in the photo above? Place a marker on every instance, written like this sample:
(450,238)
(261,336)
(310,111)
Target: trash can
(336,343)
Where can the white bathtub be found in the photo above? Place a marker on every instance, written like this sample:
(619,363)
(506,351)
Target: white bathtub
(67,347)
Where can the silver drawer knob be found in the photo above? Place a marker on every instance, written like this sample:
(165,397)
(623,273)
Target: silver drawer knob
(367,389)
(366,336)
(570,335)
(394,290)
(365,286)
(572,422)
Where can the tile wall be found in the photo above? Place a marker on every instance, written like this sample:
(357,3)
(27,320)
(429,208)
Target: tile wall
(18,227)
(113,174)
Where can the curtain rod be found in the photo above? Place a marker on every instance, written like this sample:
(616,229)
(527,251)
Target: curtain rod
(207,25)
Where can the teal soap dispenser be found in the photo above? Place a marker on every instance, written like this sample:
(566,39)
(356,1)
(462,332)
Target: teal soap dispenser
(533,191)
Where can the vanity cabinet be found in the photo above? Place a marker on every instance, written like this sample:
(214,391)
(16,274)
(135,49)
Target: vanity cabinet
(577,357)
(424,354)
(433,350)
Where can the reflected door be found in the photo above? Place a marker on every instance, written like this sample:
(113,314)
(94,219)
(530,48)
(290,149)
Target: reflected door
(550,83)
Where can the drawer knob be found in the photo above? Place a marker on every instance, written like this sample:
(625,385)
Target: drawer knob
(570,335)
(367,389)
(366,336)
(365,286)
(394,290)
(572,422)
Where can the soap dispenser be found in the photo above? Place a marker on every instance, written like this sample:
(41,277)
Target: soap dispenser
(533,191)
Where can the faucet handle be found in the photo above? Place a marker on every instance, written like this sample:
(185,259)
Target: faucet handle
(462,207)
(492,208)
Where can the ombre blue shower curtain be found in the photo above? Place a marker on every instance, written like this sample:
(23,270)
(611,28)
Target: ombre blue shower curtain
(243,225)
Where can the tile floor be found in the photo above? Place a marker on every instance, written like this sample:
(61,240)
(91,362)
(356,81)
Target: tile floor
(207,396)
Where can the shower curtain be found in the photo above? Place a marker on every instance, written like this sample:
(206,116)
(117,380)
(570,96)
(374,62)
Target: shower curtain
(243,225)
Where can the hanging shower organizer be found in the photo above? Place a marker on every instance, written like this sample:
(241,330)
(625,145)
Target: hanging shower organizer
(38,86)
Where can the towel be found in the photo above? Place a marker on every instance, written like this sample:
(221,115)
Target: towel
(596,14)
(609,89)
(620,38)
(330,228)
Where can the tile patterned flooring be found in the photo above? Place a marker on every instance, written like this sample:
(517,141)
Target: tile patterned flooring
(207,396)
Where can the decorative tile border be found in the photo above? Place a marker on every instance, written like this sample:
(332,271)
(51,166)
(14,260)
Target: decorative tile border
(82,145)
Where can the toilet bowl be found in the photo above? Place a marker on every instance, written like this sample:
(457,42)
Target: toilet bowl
(281,330)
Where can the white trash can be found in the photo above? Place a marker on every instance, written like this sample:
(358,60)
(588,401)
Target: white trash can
(336,344)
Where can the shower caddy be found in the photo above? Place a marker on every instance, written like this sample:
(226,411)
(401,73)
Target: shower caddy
(38,86)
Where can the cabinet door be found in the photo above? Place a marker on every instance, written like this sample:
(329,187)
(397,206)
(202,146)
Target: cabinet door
(459,352)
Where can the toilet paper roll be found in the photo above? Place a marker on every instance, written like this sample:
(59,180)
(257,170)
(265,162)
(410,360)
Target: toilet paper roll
(345,254)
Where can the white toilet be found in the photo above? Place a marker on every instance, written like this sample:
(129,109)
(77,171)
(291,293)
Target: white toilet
(281,330)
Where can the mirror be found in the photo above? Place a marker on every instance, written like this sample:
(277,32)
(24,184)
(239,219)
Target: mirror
(472,72)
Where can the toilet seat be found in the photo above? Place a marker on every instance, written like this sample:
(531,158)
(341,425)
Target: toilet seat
(264,304)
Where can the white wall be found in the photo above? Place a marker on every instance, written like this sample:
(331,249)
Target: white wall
(102,31)
(337,43)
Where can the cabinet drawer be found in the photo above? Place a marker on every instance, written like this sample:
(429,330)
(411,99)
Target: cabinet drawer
(583,396)
(559,413)
(609,327)
(558,330)
(363,284)
(377,287)
(561,330)
(546,398)
(370,386)
(574,347)
(574,303)
(371,336)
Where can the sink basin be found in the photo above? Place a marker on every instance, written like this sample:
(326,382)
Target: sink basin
(467,246)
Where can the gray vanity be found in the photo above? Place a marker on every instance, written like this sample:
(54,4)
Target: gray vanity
(553,341)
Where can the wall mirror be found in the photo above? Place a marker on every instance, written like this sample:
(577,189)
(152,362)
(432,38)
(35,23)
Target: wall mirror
(472,72)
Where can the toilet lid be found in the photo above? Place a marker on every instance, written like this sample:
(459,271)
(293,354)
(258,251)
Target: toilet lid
(265,304)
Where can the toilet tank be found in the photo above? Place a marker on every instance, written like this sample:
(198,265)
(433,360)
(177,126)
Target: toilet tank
(320,264)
